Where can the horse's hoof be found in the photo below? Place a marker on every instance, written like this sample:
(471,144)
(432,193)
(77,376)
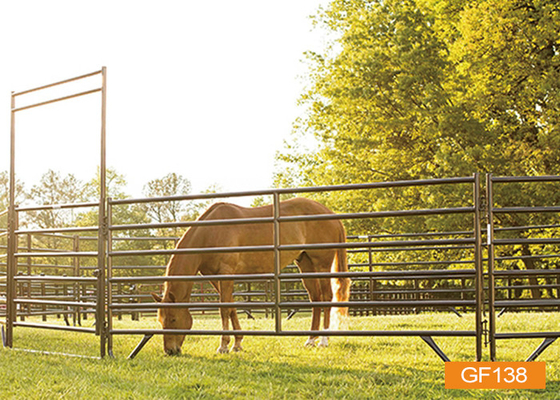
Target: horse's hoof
(310,343)
(324,341)
(237,349)
(222,350)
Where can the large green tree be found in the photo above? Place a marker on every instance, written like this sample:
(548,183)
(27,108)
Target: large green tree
(419,89)
(427,89)
(431,88)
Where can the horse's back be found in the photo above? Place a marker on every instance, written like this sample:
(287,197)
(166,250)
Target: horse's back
(291,207)
(297,232)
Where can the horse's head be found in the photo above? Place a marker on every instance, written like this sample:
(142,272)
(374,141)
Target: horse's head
(172,318)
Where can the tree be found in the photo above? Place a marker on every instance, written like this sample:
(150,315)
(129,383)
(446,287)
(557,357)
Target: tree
(510,54)
(121,215)
(5,191)
(4,201)
(170,185)
(116,186)
(116,189)
(55,189)
(426,89)
(432,88)
(379,109)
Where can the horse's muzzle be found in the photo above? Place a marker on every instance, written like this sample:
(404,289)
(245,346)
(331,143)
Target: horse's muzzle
(173,352)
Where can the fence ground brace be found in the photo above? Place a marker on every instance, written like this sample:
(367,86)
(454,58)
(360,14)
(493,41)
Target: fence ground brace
(108,288)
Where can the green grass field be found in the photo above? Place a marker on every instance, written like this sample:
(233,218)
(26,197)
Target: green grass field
(269,367)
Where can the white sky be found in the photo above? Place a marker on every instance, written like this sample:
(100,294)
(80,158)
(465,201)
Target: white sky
(206,89)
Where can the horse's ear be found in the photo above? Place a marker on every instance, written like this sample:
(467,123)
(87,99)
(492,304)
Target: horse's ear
(157,298)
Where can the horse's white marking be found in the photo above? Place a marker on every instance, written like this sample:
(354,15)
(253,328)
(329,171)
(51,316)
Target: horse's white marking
(324,341)
(310,342)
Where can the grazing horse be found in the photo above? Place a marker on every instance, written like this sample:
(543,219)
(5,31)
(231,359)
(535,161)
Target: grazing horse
(255,234)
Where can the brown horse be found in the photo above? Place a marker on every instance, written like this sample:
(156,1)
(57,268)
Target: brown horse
(256,234)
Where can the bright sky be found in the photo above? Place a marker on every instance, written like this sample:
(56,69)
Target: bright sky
(206,89)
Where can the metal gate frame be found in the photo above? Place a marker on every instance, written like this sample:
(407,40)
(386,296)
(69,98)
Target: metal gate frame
(492,242)
(13,232)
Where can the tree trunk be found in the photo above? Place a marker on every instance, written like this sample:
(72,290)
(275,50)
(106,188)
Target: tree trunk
(530,265)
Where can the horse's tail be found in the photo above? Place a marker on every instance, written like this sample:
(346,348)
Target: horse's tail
(341,289)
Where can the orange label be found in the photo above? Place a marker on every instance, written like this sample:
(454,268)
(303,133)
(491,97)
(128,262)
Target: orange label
(495,375)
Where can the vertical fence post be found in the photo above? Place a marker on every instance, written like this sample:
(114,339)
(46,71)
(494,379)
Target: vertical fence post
(491,293)
(12,240)
(479,289)
(109,278)
(102,231)
(29,262)
(76,285)
(277,264)
(371,281)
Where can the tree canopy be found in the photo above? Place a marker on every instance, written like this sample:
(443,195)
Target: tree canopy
(419,89)
(429,88)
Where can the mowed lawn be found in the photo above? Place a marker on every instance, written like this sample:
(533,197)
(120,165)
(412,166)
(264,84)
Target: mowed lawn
(269,367)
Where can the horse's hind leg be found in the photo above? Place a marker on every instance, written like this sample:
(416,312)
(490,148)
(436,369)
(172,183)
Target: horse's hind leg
(314,291)
(226,296)
(326,295)
(318,290)
(227,313)
(237,327)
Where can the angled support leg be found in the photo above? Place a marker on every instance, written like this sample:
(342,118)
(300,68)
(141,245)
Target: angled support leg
(291,314)
(430,342)
(542,347)
(140,346)
(454,310)
(249,315)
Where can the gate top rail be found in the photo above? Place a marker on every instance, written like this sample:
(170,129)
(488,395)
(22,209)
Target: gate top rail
(510,179)
(539,209)
(57,83)
(55,100)
(311,189)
